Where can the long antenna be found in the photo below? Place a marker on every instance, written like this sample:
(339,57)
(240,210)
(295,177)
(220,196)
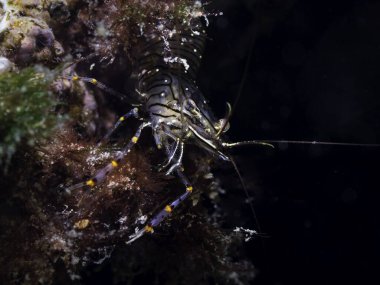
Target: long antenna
(246,193)
(246,67)
(271,142)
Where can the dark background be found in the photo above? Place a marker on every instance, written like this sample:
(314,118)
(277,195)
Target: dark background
(313,75)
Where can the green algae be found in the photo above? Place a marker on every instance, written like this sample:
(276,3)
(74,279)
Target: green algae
(26,110)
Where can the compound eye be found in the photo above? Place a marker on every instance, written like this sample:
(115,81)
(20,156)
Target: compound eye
(227,127)
(222,123)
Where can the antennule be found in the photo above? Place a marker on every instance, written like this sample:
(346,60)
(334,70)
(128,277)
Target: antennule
(246,193)
(235,144)
(271,142)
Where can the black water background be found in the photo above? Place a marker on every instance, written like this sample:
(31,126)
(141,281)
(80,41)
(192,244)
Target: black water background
(313,76)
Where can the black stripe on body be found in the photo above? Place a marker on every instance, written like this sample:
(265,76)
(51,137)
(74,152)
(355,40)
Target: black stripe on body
(164,116)
(202,119)
(154,52)
(152,72)
(163,106)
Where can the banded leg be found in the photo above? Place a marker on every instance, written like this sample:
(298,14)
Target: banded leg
(133,112)
(101,174)
(157,219)
(102,86)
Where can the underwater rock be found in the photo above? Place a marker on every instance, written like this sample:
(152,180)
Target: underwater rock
(71,232)
(25,36)
(5,64)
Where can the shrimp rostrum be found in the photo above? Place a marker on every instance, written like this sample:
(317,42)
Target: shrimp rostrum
(171,105)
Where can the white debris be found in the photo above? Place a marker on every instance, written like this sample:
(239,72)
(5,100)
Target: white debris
(122,220)
(59,240)
(142,219)
(73,276)
(172,33)
(112,184)
(106,252)
(93,159)
(73,234)
(248,234)
(195,33)
(74,260)
(141,27)
(234,276)
(213,195)
(166,44)
(177,59)
(206,20)
(198,4)
(208,176)
(101,30)
(67,211)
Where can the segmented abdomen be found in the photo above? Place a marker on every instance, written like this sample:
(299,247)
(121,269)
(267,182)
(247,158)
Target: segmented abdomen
(171,50)
(166,69)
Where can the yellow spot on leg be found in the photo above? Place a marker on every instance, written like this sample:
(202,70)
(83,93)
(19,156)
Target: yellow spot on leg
(90,183)
(189,189)
(149,229)
(114,163)
(75,78)
(135,139)
(121,119)
(93,81)
(168,209)
(82,224)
